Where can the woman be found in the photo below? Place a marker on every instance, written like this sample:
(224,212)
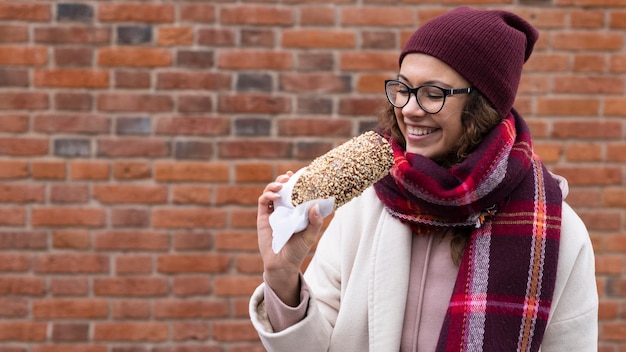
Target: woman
(466,246)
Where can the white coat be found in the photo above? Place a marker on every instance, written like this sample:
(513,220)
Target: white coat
(358,280)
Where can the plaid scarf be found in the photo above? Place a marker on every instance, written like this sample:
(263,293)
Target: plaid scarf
(503,291)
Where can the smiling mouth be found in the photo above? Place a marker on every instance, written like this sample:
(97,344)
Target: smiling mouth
(416,131)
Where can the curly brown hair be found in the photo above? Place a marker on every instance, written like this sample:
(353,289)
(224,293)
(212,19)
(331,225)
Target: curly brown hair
(478,118)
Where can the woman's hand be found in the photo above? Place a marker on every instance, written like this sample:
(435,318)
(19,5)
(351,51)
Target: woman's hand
(282,269)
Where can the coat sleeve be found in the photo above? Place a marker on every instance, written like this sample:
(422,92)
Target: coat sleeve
(312,333)
(573,322)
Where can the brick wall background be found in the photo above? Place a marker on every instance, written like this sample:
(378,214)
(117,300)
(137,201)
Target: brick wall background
(136,136)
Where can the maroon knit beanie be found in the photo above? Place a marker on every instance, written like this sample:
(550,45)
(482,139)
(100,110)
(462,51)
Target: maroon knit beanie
(487,47)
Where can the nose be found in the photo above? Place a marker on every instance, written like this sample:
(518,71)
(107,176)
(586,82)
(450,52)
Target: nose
(413,108)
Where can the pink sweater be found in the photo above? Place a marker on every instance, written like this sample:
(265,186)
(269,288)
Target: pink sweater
(430,285)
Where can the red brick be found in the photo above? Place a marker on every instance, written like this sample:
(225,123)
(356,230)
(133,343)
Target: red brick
(237,195)
(587,18)
(588,84)
(71,264)
(613,331)
(616,152)
(234,331)
(69,193)
(21,240)
(23,331)
(315,127)
(378,16)
(567,106)
(130,217)
(21,193)
(133,264)
(193,263)
(195,126)
(234,285)
(192,331)
(191,171)
(171,36)
(13,169)
(249,264)
(609,264)
(22,286)
(18,55)
(131,240)
(216,37)
(134,57)
(130,309)
(190,309)
(12,10)
(14,123)
(193,80)
(133,147)
(590,175)
(131,286)
(130,194)
(360,106)
(66,123)
(250,59)
(584,152)
(132,79)
(23,100)
(319,38)
(60,347)
(13,262)
(136,332)
(136,12)
(236,241)
(72,35)
(242,218)
(368,61)
(190,194)
(12,216)
(72,286)
(48,170)
(13,33)
(317,15)
(89,170)
(251,15)
(73,101)
(249,103)
(191,285)
(615,106)
(79,56)
(131,170)
(71,239)
(198,13)
(70,309)
(188,217)
(13,308)
(72,78)
(253,172)
(24,146)
(587,129)
(134,103)
(583,40)
(258,149)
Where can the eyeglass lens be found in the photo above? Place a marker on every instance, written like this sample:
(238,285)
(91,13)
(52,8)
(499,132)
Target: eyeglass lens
(429,98)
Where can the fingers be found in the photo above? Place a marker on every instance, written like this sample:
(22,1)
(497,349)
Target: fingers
(309,236)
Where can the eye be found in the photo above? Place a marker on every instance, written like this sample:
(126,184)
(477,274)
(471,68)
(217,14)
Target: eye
(432,93)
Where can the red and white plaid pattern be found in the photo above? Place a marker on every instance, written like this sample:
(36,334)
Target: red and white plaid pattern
(503,292)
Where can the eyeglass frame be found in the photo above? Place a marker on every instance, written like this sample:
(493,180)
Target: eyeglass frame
(446,92)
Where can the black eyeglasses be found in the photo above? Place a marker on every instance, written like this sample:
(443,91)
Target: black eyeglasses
(429,97)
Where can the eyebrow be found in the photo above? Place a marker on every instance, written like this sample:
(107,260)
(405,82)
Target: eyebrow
(434,82)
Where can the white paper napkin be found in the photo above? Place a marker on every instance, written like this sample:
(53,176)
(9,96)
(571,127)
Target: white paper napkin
(287,219)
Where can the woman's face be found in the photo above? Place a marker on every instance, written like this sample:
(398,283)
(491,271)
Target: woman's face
(431,135)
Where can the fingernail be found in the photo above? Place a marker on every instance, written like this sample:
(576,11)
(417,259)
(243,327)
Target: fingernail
(316,210)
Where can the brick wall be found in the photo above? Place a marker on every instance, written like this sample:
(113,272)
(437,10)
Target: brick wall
(136,136)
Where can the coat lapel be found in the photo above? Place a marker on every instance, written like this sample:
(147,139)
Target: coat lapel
(388,283)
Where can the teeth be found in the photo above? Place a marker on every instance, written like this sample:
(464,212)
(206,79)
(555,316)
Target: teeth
(420,131)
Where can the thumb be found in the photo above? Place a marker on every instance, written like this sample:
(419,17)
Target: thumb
(315,225)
